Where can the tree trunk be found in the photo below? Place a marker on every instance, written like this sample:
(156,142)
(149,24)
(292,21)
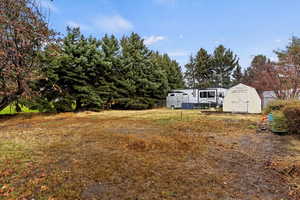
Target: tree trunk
(18,107)
(7,100)
(78,106)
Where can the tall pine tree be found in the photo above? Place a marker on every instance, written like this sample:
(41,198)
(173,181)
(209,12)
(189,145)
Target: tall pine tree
(111,50)
(237,75)
(74,74)
(137,71)
(190,73)
(224,62)
(203,69)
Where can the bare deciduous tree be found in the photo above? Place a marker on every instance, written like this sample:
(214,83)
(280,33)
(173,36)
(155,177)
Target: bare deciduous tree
(282,77)
(23,33)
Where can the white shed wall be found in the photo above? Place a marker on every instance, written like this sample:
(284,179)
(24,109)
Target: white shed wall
(242,98)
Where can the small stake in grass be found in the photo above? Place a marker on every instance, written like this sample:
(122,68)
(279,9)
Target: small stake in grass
(181,115)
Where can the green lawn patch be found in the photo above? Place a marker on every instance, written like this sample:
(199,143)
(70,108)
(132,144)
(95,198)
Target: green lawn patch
(11,109)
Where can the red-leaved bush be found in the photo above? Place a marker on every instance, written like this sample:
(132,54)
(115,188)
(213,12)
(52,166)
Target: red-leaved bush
(292,114)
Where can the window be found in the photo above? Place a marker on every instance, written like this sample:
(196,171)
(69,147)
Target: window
(203,94)
(211,94)
(185,94)
(207,94)
(172,95)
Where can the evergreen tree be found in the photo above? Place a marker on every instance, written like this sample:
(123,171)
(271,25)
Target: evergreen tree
(81,70)
(190,73)
(199,71)
(89,74)
(224,62)
(138,74)
(172,70)
(111,50)
(237,75)
(175,78)
(74,73)
(203,69)
(160,76)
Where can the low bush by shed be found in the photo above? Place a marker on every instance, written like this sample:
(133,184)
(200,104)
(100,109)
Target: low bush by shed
(292,114)
(286,115)
(279,105)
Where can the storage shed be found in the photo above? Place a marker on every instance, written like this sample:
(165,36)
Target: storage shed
(242,99)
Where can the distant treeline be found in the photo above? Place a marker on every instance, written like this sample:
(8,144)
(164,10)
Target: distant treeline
(84,73)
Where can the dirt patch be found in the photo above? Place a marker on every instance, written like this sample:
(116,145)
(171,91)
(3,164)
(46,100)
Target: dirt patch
(246,166)
(132,130)
(94,191)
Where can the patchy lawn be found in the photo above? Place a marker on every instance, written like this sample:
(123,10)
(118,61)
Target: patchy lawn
(154,154)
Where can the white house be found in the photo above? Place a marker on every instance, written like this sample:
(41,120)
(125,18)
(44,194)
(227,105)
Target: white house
(242,99)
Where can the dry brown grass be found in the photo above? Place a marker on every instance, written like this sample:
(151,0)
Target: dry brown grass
(155,154)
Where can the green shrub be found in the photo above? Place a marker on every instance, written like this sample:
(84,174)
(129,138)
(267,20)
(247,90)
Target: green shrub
(279,105)
(292,114)
(279,123)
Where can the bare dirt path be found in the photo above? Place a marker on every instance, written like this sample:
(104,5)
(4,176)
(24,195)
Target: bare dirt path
(250,165)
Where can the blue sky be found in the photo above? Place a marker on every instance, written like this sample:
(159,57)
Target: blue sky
(181,27)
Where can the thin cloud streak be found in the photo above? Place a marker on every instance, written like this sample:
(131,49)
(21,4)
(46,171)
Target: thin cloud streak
(83,27)
(153,39)
(113,24)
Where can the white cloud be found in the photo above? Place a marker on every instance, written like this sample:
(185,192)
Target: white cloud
(153,39)
(278,40)
(178,53)
(113,24)
(73,24)
(180,36)
(49,5)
